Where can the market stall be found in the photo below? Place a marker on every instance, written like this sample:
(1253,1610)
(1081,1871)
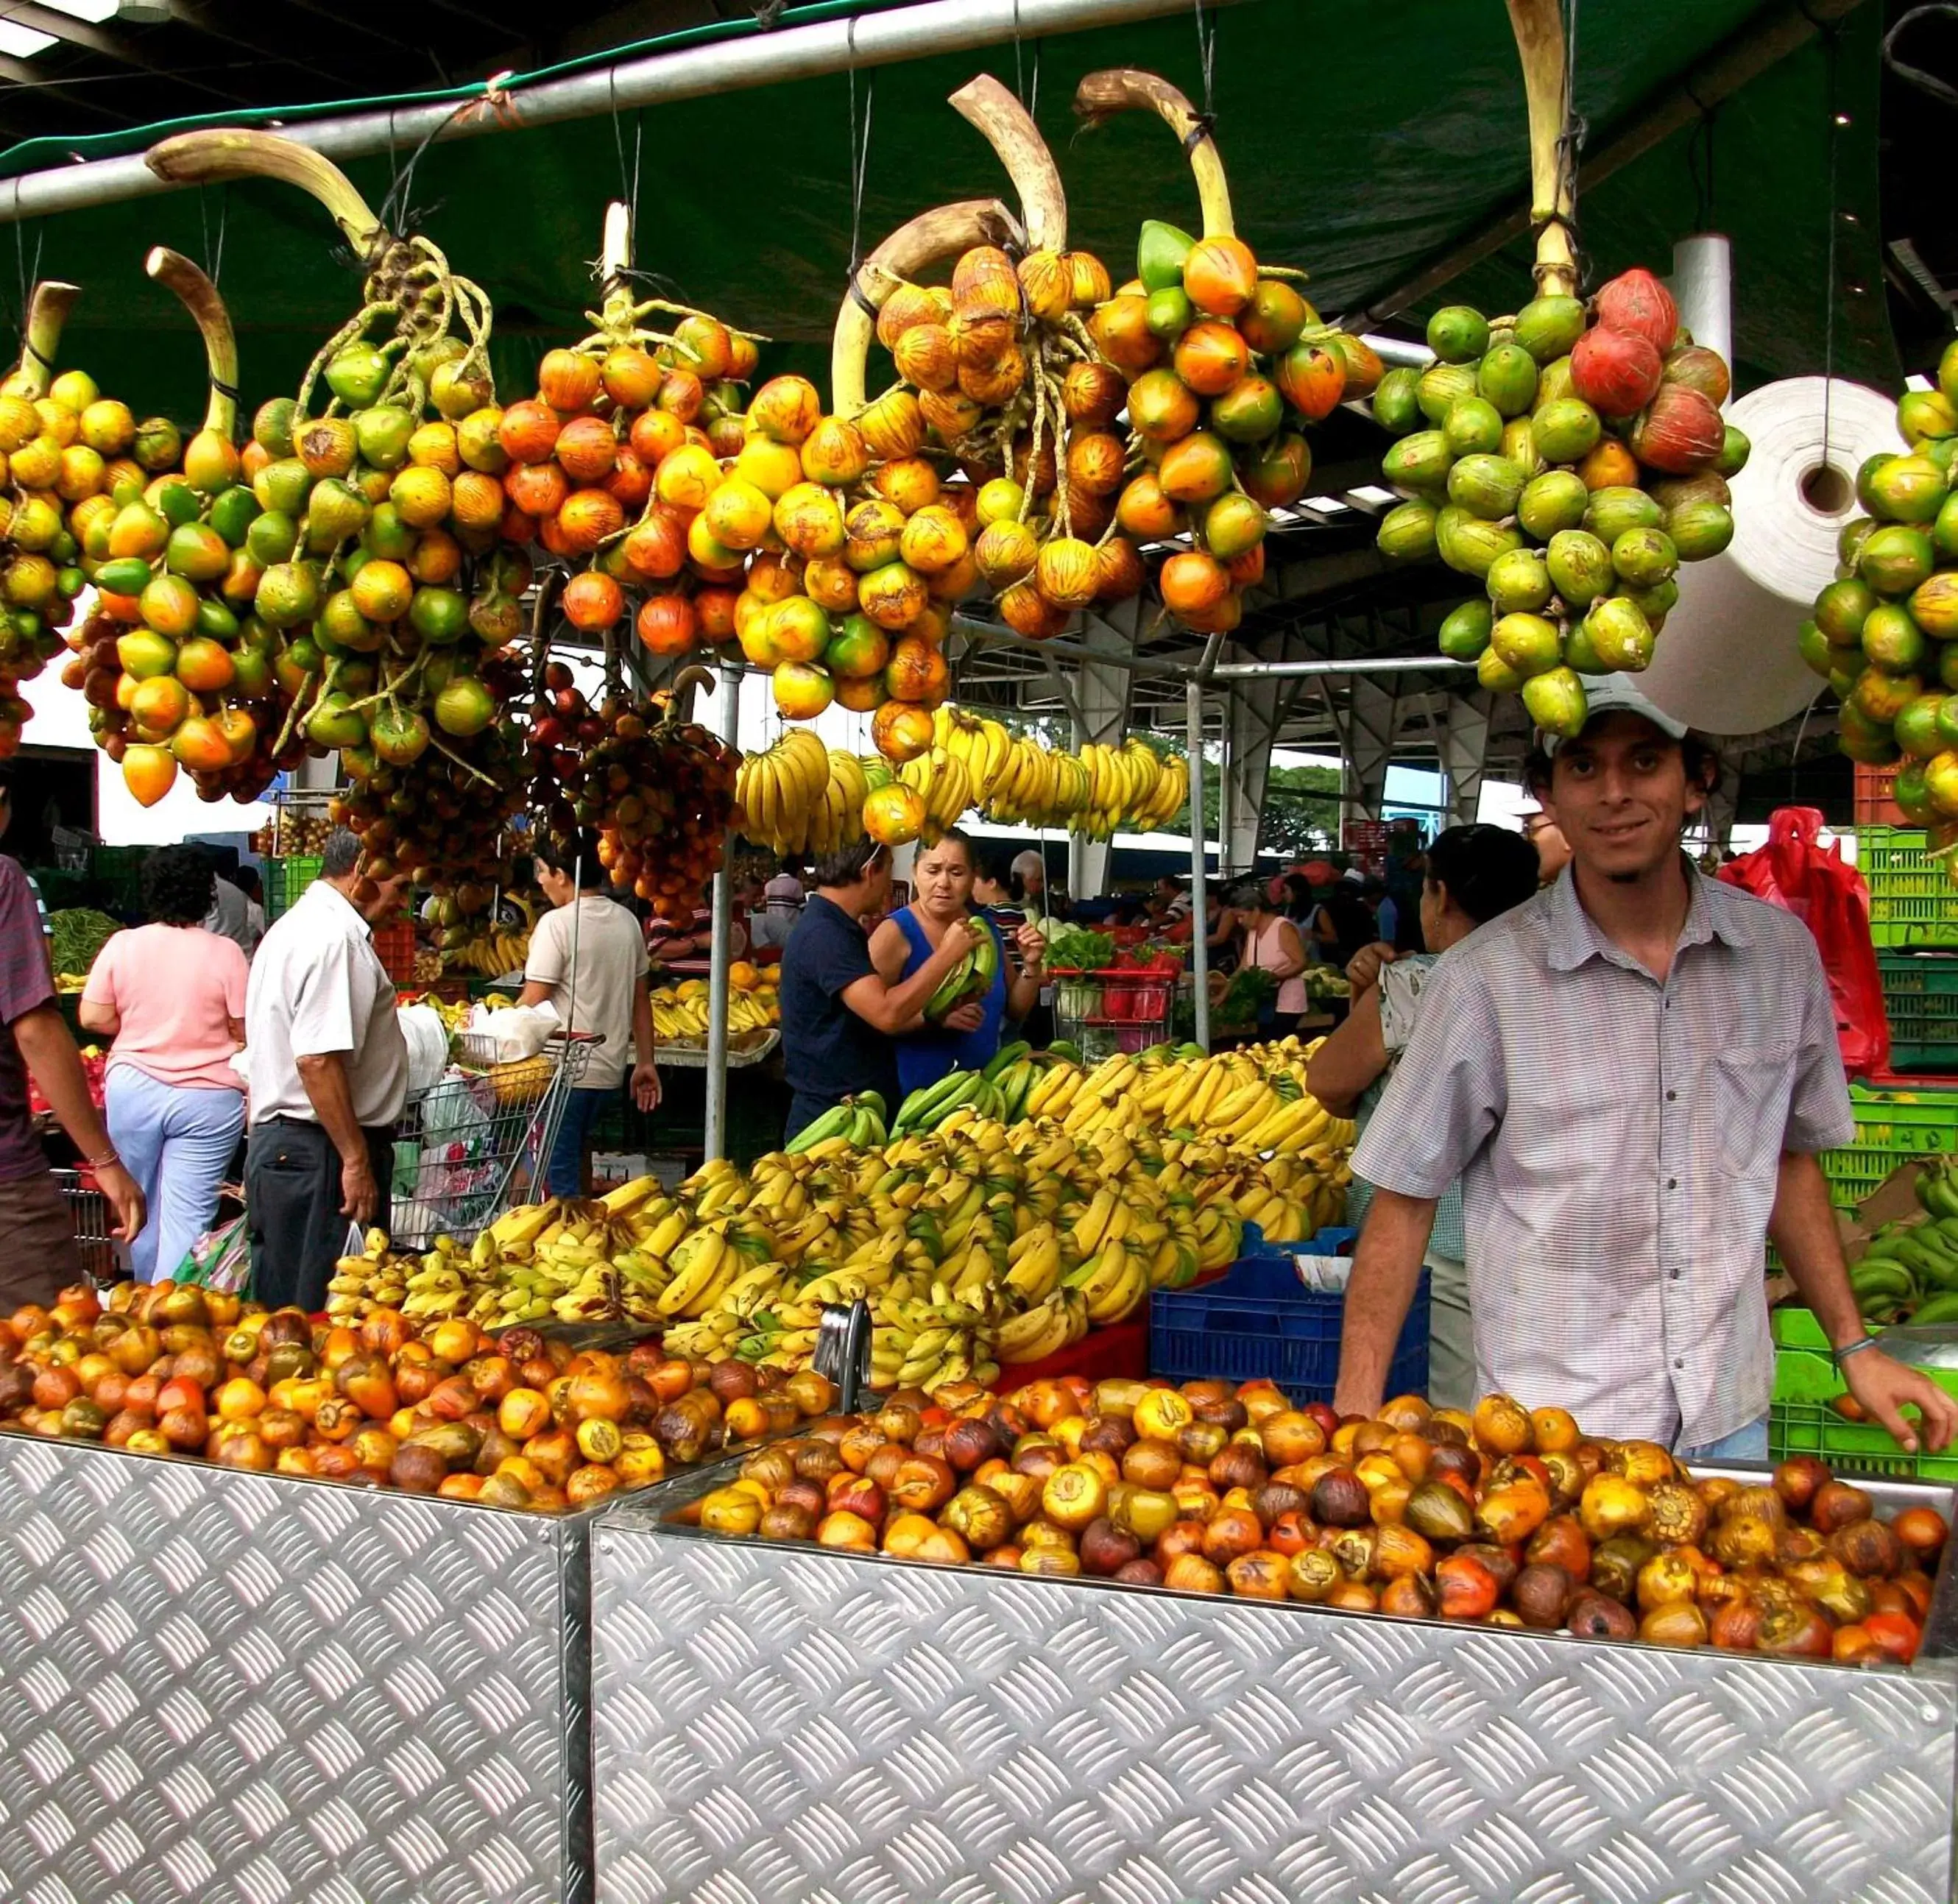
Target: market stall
(216,1684)
(828,1723)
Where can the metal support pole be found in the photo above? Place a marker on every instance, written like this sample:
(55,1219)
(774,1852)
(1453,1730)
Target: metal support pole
(1199,909)
(857,40)
(1301,670)
(715,1141)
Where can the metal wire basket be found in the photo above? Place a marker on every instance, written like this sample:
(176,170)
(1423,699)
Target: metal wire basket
(1103,1012)
(469,1147)
(88,1210)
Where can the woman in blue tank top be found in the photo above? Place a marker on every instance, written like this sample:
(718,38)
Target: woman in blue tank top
(970,1035)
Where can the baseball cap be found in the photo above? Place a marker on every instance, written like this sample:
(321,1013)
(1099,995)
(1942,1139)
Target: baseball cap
(1614,694)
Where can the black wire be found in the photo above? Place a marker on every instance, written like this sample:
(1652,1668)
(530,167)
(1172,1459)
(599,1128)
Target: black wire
(214,260)
(1699,152)
(860,150)
(1206,55)
(28,278)
(1831,43)
(1925,82)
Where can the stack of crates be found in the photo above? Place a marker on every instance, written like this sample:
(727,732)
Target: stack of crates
(1897,1119)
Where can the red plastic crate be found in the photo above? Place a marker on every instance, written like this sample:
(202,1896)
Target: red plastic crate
(1100,1355)
(1874,805)
(394,945)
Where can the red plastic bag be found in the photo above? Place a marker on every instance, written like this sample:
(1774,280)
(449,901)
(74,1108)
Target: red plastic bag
(1792,871)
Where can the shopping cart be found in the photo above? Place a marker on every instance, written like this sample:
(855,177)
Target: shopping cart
(88,1209)
(469,1147)
(1102,1012)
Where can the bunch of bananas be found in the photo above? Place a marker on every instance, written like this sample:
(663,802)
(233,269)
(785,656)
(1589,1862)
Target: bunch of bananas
(782,793)
(858,1120)
(490,954)
(680,1012)
(1001,1091)
(1131,786)
(1018,781)
(942,782)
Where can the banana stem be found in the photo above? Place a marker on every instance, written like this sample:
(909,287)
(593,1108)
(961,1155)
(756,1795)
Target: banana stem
(1538,28)
(203,158)
(47,311)
(1009,130)
(943,231)
(199,296)
(1125,89)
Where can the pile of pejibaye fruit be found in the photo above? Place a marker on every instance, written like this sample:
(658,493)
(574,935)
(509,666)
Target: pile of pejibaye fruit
(1508,1517)
(515,1420)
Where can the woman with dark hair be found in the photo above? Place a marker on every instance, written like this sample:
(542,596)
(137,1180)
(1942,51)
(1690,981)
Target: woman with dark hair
(587,961)
(969,1033)
(1271,943)
(840,1015)
(172,995)
(1474,874)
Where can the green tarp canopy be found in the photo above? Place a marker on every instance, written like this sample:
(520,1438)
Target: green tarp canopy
(1362,142)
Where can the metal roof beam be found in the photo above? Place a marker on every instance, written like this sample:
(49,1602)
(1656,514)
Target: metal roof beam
(111,45)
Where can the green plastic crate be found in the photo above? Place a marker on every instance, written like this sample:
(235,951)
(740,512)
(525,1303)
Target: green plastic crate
(1893,1122)
(1921,1001)
(1801,1422)
(1913,900)
(285,879)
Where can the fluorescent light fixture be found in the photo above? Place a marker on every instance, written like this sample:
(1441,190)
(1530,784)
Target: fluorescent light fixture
(22,42)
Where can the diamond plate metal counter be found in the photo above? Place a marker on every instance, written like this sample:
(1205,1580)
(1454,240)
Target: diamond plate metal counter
(222,1688)
(788,1726)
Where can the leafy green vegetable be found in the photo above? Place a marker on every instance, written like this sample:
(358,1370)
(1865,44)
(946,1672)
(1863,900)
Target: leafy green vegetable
(1250,990)
(78,935)
(1080,950)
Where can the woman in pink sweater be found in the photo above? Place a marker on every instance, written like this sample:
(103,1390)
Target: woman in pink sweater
(172,995)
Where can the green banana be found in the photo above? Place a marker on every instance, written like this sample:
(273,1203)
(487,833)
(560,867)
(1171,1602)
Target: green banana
(834,1121)
(1941,1311)
(1005,1059)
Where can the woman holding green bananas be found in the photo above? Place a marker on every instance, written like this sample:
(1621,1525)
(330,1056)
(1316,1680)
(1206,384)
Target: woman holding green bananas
(963,1020)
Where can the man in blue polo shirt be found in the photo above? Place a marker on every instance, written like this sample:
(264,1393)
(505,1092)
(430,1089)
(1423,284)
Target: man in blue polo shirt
(838,1015)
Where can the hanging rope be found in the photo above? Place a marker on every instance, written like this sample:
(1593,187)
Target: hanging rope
(1700,168)
(1832,42)
(213,255)
(859,155)
(1206,57)
(1569,145)
(30,277)
(1911,75)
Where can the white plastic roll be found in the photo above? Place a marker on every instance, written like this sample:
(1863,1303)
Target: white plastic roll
(1725,661)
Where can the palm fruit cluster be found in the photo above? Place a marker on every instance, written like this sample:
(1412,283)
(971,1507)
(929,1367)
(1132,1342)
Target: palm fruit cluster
(1569,457)
(1884,633)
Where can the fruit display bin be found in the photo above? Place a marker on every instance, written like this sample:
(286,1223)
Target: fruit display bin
(285,879)
(218,1687)
(1259,1320)
(796,1724)
(1802,1421)
(1897,1119)
(1921,1001)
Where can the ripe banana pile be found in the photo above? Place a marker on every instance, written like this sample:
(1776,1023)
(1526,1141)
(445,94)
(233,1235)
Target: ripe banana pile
(1018,781)
(976,1242)
(601,1260)
(680,1012)
(489,955)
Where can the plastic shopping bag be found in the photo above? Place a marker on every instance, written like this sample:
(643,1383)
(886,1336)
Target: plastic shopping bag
(220,1259)
(1794,872)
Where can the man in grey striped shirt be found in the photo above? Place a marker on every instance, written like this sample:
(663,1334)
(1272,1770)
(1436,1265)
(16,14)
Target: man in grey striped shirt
(1632,1074)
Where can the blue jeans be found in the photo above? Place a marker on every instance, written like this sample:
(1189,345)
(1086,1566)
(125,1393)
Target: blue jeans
(564,1175)
(1750,1443)
(175,1141)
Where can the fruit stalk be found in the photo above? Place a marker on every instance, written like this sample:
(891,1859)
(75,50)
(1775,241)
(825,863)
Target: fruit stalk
(47,311)
(1539,33)
(943,231)
(1124,89)
(204,158)
(1008,130)
(199,296)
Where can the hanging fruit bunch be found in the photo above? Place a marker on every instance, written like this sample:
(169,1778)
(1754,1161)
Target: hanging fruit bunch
(658,788)
(1884,633)
(1569,457)
(998,372)
(799,796)
(1225,365)
(178,670)
(1019,781)
(391,566)
(69,459)
(584,454)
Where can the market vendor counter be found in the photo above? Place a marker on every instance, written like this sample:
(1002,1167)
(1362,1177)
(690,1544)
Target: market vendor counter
(773,1723)
(227,1688)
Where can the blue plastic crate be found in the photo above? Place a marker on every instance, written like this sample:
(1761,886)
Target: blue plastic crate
(1260,1321)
